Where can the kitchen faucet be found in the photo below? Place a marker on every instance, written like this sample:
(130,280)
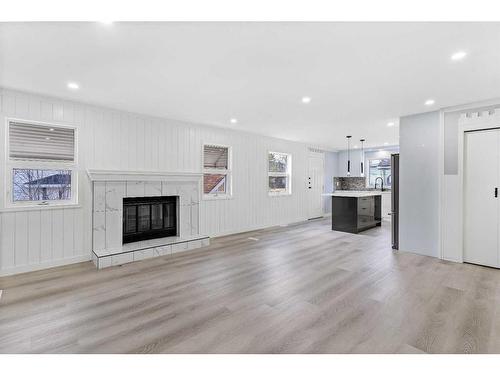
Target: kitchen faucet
(381,183)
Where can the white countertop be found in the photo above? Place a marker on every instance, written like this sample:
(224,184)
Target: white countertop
(353,193)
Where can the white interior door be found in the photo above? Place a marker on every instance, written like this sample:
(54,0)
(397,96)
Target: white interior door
(481,207)
(315,184)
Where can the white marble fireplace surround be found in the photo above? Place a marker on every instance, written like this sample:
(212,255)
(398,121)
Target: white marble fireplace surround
(110,187)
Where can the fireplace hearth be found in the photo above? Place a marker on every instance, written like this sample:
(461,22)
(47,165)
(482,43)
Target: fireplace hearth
(147,218)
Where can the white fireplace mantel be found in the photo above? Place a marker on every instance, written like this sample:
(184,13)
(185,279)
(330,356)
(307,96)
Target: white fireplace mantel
(116,175)
(110,187)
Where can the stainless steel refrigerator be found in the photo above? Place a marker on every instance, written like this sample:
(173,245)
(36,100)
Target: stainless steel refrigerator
(395,201)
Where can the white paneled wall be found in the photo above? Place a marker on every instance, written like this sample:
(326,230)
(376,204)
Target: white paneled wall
(110,139)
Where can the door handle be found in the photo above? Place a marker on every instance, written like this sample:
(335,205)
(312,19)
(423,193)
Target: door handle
(496,192)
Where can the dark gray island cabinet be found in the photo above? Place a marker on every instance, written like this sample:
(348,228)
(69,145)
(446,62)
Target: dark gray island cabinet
(355,212)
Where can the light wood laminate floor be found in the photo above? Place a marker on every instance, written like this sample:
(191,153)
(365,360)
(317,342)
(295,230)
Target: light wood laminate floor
(296,289)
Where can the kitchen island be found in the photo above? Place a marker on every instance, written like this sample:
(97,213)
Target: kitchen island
(356,211)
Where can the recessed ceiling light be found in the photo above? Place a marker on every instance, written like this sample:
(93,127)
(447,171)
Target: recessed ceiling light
(73,86)
(386,143)
(458,55)
(430,102)
(233,121)
(51,129)
(47,138)
(306,99)
(390,124)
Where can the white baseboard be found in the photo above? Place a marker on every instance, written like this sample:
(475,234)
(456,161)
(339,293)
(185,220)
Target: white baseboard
(455,260)
(44,265)
(258,227)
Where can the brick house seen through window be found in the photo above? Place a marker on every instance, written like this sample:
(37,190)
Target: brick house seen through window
(216,171)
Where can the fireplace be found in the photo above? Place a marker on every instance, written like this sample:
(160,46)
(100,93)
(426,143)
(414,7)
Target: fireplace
(146,218)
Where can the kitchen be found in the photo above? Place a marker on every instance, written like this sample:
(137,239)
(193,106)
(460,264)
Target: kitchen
(361,193)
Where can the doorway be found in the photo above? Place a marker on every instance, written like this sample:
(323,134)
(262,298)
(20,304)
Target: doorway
(481,197)
(315,184)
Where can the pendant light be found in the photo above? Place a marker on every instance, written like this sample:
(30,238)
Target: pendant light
(348,155)
(362,158)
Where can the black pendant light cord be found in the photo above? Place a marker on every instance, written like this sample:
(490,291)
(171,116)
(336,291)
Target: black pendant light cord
(348,155)
(362,157)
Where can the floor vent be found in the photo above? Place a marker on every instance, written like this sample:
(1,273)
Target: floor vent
(315,218)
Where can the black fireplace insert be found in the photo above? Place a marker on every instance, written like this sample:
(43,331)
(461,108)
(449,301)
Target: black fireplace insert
(145,218)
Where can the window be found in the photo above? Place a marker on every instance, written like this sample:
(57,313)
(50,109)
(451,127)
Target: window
(41,184)
(279,173)
(379,168)
(216,171)
(41,163)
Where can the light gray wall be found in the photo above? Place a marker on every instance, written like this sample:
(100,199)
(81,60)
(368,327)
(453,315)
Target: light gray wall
(331,171)
(419,186)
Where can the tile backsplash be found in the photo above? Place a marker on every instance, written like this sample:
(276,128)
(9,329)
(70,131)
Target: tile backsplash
(349,183)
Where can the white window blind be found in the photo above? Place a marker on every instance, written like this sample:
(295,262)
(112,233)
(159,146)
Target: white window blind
(215,157)
(41,142)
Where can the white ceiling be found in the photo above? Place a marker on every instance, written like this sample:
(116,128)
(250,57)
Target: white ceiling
(360,76)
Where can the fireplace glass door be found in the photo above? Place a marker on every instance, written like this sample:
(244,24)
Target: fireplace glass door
(149,217)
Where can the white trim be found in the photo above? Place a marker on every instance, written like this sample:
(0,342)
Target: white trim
(279,194)
(216,197)
(117,175)
(472,106)
(55,206)
(45,265)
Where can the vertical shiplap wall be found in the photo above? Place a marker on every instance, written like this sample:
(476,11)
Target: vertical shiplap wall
(110,139)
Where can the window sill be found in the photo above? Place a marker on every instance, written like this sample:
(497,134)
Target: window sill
(216,197)
(279,194)
(21,208)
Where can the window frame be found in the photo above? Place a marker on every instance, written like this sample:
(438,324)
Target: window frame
(42,164)
(287,174)
(227,172)
(368,184)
